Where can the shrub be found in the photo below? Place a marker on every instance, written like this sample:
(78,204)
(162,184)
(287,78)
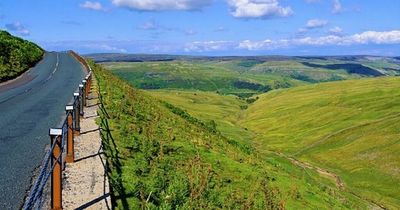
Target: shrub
(16,55)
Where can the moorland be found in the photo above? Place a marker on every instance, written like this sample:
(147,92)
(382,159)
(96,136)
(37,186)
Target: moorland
(252,132)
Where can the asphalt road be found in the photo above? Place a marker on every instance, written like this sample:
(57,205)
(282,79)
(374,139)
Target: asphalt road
(29,106)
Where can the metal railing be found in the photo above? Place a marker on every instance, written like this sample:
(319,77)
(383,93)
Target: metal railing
(61,145)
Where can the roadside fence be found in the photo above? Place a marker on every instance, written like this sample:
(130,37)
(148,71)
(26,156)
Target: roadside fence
(61,150)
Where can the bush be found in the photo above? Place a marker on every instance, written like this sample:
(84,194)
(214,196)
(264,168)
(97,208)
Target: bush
(251,86)
(16,56)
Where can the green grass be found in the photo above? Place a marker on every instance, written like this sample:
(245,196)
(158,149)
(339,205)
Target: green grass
(162,157)
(348,127)
(209,106)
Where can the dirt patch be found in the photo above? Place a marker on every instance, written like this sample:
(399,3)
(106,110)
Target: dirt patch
(86,182)
(325,173)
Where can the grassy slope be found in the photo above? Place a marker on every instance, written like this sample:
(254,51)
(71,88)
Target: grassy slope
(162,159)
(208,106)
(16,55)
(294,67)
(349,127)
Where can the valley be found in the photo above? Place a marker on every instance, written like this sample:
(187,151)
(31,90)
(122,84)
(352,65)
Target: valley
(340,134)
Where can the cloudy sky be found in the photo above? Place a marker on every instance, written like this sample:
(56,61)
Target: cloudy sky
(208,27)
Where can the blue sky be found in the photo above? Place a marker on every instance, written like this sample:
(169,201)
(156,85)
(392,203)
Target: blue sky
(208,27)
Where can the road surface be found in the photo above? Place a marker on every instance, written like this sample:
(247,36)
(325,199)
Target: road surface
(29,106)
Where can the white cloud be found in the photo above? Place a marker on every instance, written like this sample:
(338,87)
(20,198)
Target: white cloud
(265,44)
(159,5)
(368,37)
(258,9)
(316,23)
(18,28)
(387,37)
(208,46)
(302,30)
(157,46)
(149,25)
(323,40)
(337,7)
(93,6)
(336,30)
(113,46)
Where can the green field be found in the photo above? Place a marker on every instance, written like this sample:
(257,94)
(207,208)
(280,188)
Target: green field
(239,77)
(338,140)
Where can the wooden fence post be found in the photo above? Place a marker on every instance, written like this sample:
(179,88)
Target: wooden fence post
(76,114)
(84,82)
(81,99)
(90,80)
(70,135)
(56,175)
(87,88)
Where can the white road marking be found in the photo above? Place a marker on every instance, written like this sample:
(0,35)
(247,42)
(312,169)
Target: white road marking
(54,71)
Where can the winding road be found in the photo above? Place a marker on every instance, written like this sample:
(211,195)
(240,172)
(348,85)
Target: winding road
(29,106)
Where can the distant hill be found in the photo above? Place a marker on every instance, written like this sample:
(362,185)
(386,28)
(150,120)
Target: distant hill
(16,55)
(297,67)
(124,57)
(242,76)
(120,57)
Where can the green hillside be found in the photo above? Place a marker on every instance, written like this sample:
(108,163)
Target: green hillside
(346,131)
(224,110)
(342,134)
(16,55)
(349,127)
(162,157)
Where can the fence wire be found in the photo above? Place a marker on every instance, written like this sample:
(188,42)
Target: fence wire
(35,198)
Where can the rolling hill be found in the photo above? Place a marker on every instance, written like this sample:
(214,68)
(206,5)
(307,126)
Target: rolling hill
(339,135)
(348,127)
(161,156)
(345,131)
